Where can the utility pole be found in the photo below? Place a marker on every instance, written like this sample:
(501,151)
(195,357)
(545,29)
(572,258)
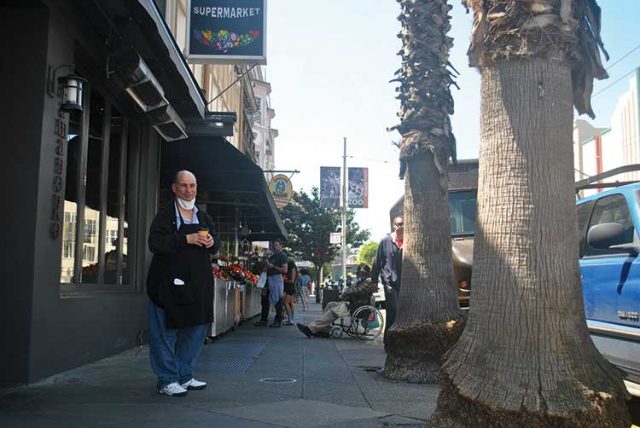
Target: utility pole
(345,201)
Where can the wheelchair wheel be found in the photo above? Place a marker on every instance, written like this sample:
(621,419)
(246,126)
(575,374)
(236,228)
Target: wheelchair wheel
(367,323)
(336,332)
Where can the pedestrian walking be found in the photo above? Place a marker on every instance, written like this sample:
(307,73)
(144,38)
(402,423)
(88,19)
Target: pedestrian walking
(290,291)
(302,288)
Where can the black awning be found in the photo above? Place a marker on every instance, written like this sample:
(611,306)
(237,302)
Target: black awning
(229,184)
(139,25)
(187,94)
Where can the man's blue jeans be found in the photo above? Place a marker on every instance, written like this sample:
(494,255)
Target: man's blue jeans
(173,352)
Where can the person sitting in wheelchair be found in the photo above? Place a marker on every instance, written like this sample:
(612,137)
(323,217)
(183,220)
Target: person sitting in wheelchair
(351,299)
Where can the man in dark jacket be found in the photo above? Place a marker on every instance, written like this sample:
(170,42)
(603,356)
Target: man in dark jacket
(388,266)
(180,287)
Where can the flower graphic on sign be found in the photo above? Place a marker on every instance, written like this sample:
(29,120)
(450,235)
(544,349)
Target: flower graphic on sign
(224,40)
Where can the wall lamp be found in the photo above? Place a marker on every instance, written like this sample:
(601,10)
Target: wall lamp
(137,79)
(70,87)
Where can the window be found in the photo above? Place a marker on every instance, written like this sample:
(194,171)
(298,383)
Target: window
(583,211)
(462,206)
(257,116)
(90,230)
(89,253)
(97,192)
(612,209)
(68,242)
(67,252)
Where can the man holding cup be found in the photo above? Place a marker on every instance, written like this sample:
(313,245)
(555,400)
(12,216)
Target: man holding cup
(180,287)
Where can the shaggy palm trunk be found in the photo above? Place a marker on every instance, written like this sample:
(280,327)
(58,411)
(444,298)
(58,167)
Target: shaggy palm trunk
(428,321)
(525,357)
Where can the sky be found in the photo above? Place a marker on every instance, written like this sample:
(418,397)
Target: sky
(329,63)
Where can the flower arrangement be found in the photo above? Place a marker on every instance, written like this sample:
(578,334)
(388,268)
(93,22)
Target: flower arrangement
(224,40)
(235,272)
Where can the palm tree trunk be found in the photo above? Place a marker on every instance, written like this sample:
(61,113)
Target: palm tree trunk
(525,357)
(429,320)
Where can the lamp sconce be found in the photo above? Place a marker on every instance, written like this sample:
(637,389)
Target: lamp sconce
(70,87)
(242,232)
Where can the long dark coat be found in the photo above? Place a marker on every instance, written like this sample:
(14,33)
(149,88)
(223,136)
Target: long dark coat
(191,303)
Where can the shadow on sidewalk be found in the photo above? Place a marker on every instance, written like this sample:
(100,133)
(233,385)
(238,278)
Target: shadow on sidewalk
(258,376)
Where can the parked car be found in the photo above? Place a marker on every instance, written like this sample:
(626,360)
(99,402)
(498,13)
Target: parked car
(609,246)
(462,207)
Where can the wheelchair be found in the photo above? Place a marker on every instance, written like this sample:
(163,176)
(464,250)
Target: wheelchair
(364,322)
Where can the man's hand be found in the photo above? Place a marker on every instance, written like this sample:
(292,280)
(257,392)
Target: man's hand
(202,241)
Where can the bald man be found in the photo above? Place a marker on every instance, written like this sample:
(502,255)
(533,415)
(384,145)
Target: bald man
(182,239)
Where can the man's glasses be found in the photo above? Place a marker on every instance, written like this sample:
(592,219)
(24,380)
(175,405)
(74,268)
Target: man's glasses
(399,224)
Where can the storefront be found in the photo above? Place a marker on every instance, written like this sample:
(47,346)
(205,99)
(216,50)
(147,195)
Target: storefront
(235,194)
(83,186)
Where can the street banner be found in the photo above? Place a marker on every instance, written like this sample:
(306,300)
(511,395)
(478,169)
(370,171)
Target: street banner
(281,190)
(330,187)
(358,187)
(226,32)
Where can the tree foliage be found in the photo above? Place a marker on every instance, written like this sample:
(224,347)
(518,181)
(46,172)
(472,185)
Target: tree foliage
(309,226)
(425,79)
(367,253)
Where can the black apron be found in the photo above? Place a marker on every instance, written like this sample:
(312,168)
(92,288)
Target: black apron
(190,303)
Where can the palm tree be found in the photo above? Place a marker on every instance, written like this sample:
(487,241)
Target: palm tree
(429,320)
(525,357)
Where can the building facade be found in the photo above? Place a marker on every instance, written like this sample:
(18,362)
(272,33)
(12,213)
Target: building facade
(597,150)
(264,134)
(87,178)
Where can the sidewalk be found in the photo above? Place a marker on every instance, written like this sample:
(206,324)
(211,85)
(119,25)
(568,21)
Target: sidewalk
(258,377)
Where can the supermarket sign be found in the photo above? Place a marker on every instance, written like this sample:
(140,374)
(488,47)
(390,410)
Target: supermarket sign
(226,32)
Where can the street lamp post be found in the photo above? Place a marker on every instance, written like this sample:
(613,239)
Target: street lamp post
(345,201)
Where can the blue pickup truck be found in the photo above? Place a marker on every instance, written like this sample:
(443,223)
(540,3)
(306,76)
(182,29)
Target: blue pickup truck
(608,224)
(610,266)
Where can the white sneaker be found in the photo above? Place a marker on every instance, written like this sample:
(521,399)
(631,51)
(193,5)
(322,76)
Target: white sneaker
(194,384)
(173,390)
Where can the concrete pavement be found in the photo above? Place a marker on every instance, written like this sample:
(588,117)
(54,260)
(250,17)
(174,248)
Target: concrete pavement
(258,377)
